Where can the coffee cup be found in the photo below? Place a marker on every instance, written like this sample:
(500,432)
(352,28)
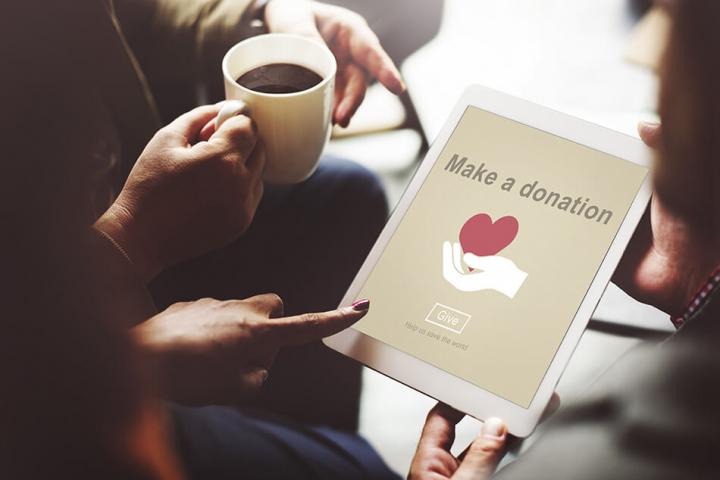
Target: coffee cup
(295,122)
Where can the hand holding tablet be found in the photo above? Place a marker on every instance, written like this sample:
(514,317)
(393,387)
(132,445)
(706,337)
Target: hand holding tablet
(496,256)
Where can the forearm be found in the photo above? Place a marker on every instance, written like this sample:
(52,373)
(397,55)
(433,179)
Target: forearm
(136,246)
(123,293)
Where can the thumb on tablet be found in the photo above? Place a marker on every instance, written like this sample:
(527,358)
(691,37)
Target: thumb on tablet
(482,457)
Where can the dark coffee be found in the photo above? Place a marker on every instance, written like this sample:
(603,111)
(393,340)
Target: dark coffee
(279,78)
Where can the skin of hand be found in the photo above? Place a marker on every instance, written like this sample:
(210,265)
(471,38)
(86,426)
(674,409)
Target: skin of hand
(357,49)
(671,254)
(490,273)
(187,195)
(434,461)
(219,352)
(669,257)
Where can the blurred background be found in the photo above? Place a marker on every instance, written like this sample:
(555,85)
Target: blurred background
(591,58)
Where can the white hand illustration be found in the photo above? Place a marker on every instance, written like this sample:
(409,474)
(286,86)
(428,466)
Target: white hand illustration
(491,273)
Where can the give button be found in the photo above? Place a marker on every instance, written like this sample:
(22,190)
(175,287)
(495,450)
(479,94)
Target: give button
(448,318)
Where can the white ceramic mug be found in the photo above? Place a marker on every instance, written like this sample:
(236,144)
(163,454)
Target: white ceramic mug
(295,127)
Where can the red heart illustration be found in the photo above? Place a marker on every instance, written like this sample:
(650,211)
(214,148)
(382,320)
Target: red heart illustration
(484,238)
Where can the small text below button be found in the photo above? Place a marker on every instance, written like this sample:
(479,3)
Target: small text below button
(448,318)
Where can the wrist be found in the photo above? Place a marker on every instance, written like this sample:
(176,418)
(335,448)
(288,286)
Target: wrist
(118,226)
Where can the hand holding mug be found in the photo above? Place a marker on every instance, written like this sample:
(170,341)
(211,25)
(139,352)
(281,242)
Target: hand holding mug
(293,117)
(295,124)
(186,196)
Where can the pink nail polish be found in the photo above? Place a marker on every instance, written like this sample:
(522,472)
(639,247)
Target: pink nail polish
(361,305)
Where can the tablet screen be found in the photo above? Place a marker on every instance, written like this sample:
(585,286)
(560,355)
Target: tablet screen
(489,265)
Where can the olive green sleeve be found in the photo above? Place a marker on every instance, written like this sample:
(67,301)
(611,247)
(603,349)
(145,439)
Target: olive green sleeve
(180,43)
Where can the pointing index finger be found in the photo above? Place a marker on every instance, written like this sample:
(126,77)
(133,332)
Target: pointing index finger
(269,303)
(309,327)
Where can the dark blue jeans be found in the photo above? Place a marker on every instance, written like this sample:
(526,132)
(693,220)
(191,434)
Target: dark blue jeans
(306,244)
(221,443)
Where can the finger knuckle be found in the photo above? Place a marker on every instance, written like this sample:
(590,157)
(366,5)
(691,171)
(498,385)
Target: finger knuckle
(242,130)
(227,166)
(355,19)
(235,303)
(486,447)
(312,319)
(204,110)
(207,301)
(178,305)
(275,300)
(245,323)
(163,136)
(206,151)
(424,465)
(251,302)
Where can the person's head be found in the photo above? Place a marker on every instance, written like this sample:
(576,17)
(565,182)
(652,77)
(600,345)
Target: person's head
(688,173)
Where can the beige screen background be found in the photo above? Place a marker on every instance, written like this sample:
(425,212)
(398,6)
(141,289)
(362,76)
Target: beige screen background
(508,344)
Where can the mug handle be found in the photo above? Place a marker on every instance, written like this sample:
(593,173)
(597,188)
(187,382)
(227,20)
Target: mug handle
(231,108)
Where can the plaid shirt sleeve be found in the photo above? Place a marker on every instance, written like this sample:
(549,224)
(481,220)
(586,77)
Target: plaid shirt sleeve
(699,300)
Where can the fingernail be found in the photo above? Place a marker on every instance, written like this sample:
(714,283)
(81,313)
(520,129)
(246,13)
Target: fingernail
(493,427)
(341,114)
(264,376)
(403,87)
(393,75)
(361,305)
(645,124)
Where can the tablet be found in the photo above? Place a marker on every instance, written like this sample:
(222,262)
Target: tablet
(488,271)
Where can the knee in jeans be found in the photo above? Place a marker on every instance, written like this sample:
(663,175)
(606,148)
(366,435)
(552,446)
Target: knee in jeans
(366,192)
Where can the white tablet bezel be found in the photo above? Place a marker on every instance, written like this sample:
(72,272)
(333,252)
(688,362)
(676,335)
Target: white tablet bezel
(439,384)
